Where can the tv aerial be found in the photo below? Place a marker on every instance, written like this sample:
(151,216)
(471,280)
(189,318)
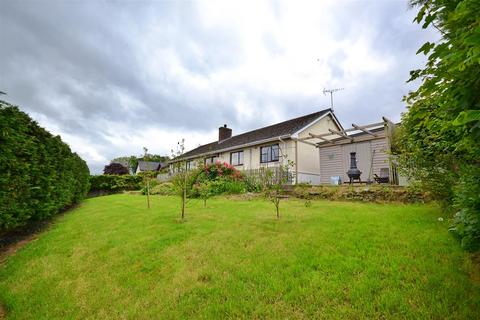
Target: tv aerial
(331,91)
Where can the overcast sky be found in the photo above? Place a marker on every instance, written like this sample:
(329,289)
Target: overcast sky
(114,76)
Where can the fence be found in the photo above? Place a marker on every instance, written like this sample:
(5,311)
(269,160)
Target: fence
(269,176)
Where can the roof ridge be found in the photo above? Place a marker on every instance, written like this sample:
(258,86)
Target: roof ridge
(280,128)
(271,125)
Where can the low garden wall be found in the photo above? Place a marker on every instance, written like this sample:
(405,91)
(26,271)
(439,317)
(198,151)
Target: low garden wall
(372,193)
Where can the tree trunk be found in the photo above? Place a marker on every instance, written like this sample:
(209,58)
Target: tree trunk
(184,197)
(277,204)
(183,206)
(148,193)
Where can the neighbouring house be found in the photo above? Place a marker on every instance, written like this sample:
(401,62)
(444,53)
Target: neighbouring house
(149,166)
(317,144)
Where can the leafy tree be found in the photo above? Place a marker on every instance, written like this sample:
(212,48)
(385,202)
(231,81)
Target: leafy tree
(153,157)
(115,168)
(180,176)
(275,180)
(439,142)
(131,162)
(204,191)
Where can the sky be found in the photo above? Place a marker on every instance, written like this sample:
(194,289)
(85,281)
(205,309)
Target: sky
(112,77)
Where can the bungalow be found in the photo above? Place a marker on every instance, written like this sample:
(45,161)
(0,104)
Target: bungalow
(270,146)
(317,144)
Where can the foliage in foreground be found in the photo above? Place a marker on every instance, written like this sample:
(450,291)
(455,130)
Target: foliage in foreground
(39,174)
(441,131)
(112,258)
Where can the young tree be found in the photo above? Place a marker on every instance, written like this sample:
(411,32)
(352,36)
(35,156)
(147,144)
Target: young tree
(180,175)
(147,178)
(204,192)
(115,168)
(275,184)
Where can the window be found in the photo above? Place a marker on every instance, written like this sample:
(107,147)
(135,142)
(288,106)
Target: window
(211,160)
(236,158)
(269,153)
(190,165)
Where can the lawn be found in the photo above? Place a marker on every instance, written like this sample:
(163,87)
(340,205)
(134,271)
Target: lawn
(113,258)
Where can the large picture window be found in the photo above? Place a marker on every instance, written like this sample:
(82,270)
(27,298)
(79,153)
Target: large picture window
(211,160)
(236,158)
(269,153)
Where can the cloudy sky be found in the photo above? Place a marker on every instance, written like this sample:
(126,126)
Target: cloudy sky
(114,76)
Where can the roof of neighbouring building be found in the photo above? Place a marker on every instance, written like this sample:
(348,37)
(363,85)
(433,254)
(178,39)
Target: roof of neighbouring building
(281,129)
(149,165)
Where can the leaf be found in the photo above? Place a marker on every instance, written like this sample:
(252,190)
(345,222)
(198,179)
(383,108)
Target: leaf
(427,46)
(466,117)
(428,19)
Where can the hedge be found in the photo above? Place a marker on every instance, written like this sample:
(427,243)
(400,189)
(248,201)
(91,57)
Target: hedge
(39,174)
(114,183)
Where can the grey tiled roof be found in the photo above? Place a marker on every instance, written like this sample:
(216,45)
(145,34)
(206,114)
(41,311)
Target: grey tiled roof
(148,165)
(288,127)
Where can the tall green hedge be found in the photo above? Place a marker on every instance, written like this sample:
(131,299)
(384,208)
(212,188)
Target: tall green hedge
(39,174)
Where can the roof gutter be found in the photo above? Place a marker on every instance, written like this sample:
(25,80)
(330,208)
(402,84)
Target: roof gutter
(251,144)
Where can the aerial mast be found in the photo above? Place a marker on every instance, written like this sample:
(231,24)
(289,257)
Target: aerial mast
(331,91)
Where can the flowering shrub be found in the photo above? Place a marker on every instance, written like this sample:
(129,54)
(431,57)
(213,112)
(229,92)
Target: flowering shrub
(218,178)
(219,170)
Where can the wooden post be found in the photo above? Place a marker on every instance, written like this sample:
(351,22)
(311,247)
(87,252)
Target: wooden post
(184,197)
(296,162)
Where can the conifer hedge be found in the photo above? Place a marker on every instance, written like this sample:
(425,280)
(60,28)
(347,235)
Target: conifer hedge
(39,174)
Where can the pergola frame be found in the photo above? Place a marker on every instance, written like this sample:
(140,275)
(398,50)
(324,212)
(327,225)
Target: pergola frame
(327,137)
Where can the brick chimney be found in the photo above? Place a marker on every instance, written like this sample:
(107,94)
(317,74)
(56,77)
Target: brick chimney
(224,133)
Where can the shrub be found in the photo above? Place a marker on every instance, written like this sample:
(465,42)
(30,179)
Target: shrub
(39,174)
(223,170)
(114,183)
(164,188)
(148,174)
(466,224)
(219,178)
(115,168)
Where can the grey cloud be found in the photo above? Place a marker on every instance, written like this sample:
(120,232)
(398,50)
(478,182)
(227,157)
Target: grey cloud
(86,54)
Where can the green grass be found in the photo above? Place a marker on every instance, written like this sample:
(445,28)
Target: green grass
(113,258)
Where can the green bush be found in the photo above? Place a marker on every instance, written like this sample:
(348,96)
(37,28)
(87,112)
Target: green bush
(39,174)
(115,183)
(163,188)
(439,146)
(219,177)
(466,224)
